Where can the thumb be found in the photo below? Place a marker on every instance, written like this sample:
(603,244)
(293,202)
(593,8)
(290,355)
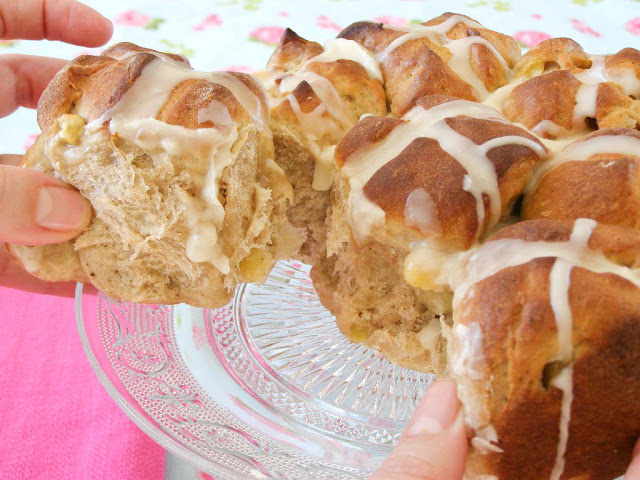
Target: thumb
(36,209)
(434,444)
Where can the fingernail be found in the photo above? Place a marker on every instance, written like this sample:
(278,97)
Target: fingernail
(62,209)
(437,410)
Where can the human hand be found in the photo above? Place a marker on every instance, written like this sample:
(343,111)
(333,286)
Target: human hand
(434,444)
(35,208)
(633,472)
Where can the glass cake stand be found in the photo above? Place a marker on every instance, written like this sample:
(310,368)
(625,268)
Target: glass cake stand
(264,388)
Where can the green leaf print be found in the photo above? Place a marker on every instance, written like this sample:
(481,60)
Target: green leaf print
(178,48)
(154,24)
(246,4)
(500,6)
(584,3)
(7,43)
(252,4)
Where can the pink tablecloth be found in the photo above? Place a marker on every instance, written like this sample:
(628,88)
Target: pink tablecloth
(56,419)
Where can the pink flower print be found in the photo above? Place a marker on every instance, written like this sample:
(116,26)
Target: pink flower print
(30,140)
(537,16)
(583,28)
(267,35)
(238,68)
(326,22)
(283,14)
(633,26)
(132,18)
(208,22)
(391,20)
(530,38)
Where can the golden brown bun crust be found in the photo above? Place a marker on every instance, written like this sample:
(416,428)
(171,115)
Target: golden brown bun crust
(549,93)
(620,245)
(554,53)
(96,84)
(424,164)
(514,312)
(360,93)
(506,46)
(605,187)
(67,86)
(600,190)
(411,71)
(124,49)
(188,97)
(292,51)
(552,96)
(559,89)
(625,58)
(367,130)
(419,66)
(145,200)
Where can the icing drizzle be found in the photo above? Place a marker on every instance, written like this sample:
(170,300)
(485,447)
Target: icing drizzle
(481,176)
(460,49)
(486,260)
(583,151)
(559,283)
(134,119)
(314,125)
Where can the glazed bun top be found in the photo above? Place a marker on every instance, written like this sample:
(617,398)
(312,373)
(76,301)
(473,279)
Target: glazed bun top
(179,168)
(448,55)
(561,91)
(136,83)
(546,322)
(448,170)
(156,102)
(447,174)
(319,93)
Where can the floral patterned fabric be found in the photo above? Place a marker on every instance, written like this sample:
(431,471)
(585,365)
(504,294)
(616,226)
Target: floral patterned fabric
(59,425)
(240,34)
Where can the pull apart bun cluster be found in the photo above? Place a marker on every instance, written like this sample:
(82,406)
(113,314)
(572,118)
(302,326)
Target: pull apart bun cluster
(179,168)
(467,210)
